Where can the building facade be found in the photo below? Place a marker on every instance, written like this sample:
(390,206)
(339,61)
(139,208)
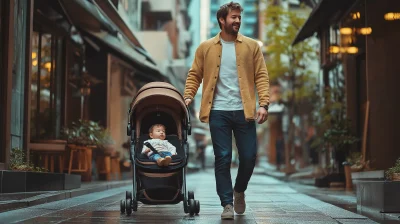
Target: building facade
(359,45)
(61,61)
(164,33)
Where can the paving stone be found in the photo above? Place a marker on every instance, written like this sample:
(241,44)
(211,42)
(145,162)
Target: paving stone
(268,201)
(356,221)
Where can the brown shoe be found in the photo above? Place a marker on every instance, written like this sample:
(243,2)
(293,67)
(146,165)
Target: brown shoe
(240,204)
(167,160)
(160,161)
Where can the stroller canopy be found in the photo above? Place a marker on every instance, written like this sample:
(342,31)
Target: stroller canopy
(158,96)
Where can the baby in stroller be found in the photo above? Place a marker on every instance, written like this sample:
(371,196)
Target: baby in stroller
(163,149)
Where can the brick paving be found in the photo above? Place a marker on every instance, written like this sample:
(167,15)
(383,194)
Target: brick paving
(268,201)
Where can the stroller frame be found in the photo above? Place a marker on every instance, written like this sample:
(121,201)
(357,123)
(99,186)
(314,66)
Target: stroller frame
(190,205)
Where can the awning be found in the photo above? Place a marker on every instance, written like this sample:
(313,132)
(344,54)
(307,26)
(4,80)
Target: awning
(98,27)
(324,14)
(125,51)
(87,15)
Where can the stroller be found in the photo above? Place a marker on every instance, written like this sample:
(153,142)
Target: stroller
(159,102)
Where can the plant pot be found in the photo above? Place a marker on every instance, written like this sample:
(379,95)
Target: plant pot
(356,169)
(349,181)
(108,149)
(396,177)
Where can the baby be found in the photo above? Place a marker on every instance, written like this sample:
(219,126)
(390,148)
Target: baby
(164,148)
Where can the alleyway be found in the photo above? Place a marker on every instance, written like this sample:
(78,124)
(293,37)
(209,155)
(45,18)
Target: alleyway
(268,201)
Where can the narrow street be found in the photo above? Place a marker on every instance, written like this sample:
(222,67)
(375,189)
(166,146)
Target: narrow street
(268,201)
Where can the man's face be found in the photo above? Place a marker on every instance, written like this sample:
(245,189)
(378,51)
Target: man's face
(158,133)
(231,24)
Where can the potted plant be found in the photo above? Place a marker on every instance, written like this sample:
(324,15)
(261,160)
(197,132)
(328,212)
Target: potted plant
(106,141)
(356,162)
(18,162)
(83,133)
(338,135)
(393,173)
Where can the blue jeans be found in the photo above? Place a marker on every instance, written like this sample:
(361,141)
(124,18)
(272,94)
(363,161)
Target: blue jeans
(155,157)
(222,123)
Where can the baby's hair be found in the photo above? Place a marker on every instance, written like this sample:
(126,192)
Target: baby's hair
(156,125)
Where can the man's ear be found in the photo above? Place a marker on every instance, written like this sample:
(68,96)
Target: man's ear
(221,20)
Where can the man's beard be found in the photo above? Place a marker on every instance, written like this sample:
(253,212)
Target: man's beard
(230,30)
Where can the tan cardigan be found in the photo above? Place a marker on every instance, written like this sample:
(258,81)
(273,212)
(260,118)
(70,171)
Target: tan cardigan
(251,68)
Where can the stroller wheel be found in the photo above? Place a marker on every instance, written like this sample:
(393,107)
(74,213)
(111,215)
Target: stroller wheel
(128,195)
(191,194)
(134,205)
(128,206)
(192,207)
(122,206)
(185,206)
(197,205)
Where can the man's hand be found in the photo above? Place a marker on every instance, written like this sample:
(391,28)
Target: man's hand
(188,101)
(262,115)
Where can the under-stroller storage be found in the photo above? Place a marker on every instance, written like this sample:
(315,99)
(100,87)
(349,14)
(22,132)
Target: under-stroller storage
(162,180)
(160,187)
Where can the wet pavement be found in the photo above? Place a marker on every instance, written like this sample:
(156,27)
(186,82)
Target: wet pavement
(268,201)
(345,199)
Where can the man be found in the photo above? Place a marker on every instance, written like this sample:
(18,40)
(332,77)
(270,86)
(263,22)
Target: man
(230,66)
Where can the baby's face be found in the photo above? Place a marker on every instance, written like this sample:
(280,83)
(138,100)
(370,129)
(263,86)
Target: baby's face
(158,133)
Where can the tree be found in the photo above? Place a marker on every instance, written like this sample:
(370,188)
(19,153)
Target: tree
(290,64)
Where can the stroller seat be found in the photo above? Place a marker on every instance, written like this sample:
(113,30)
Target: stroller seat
(143,160)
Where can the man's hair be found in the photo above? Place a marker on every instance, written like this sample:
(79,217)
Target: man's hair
(224,10)
(155,125)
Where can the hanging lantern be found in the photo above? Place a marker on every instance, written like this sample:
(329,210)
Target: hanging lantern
(356,15)
(334,49)
(390,16)
(365,30)
(346,30)
(352,49)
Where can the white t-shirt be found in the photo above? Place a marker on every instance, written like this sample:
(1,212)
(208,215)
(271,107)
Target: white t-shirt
(160,146)
(227,92)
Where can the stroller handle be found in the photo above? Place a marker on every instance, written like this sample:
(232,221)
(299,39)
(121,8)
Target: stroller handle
(189,127)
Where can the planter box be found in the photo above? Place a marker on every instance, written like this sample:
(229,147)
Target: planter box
(376,175)
(22,181)
(379,195)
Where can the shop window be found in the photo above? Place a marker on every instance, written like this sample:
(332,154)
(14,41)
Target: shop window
(46,86)
(1,34)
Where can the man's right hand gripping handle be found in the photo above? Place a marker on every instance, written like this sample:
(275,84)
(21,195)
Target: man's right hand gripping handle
(188,101)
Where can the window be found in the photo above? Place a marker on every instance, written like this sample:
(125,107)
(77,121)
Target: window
(1,34)
(2,134)
(46,86)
